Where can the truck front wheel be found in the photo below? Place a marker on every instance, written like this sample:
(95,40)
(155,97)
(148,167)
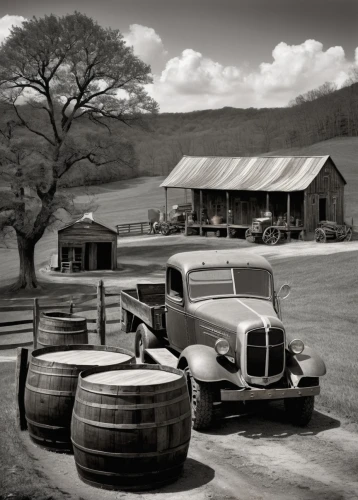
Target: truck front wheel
(202,399)
(145,339)
(299,410)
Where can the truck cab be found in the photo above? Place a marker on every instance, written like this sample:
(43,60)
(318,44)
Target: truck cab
(222,326)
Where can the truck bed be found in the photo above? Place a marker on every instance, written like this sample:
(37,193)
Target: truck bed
(146,302)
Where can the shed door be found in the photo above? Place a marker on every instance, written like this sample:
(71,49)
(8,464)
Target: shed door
(104,255)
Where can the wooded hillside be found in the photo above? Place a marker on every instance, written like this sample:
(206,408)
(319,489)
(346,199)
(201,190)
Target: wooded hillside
(319,115)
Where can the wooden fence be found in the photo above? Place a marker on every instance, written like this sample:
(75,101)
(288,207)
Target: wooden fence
(73,303)
(133,228)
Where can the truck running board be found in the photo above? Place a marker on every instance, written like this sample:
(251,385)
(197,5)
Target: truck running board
(163,357)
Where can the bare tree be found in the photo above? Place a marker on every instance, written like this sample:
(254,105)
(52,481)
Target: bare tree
(54,73)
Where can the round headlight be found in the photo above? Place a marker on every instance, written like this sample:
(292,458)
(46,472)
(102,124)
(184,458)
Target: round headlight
(222,347)
(296,346)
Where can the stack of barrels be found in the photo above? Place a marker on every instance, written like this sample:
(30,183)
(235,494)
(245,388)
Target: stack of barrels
(128,425)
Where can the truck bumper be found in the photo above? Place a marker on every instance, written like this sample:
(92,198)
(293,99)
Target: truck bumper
(255,394)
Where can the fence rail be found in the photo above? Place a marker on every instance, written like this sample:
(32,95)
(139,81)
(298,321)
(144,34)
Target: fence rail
(75,303)
(133,228)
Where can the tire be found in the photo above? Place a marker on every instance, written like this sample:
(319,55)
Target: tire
(201,399)
(320,235)
(299,410)
(145,339)
(165,229)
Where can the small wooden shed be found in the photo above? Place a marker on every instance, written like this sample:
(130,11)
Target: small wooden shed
(87,245)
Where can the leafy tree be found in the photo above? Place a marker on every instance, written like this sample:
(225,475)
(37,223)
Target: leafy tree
(56,72)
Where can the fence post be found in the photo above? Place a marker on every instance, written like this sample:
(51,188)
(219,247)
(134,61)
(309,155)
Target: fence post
(36,320)
(20,381)
(101,313)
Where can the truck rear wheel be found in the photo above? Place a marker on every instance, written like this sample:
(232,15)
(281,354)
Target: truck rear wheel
(202,399)
(300,410)
(145,339)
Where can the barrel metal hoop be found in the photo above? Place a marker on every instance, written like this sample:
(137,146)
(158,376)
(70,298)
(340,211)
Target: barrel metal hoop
(129,474)
(63,333)
(53,374)
(144,406)
(149,425)
(48,391)
(130,455)
(152,393)
(45,426)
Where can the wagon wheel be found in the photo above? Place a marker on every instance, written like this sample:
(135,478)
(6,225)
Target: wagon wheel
(340,233)
(165,228)
(348,234)
(320,235)
(248,236)
(271,236)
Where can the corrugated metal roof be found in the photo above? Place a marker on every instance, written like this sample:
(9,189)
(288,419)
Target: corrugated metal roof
(284,173)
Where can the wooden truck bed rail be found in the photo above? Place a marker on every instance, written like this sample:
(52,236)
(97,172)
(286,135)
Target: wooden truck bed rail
(147,303)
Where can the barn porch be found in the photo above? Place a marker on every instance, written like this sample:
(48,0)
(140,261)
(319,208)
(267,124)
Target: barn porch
(228,193)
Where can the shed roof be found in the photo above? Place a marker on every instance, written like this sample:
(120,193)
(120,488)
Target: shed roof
(267,173)
(88,218)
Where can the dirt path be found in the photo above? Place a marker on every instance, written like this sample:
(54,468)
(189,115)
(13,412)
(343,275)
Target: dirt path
(254,456)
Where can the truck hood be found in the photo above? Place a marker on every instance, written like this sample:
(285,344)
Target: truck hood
(230,313)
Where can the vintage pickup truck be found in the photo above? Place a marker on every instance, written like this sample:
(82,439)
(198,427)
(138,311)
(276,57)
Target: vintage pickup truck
(218,318)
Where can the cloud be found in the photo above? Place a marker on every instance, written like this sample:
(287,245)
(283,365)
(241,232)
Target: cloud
(146,43)
(297,68)
(192,81)
(191,73)
(6,22)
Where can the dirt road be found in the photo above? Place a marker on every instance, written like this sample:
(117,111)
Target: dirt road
(255,455)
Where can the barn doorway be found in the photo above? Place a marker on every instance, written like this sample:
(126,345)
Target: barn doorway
(322,209)
(104,255)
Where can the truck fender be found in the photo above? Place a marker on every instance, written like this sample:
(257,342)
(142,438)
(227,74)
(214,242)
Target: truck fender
(306,364)
(207,366)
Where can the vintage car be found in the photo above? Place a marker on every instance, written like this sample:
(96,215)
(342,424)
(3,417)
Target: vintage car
(218,318)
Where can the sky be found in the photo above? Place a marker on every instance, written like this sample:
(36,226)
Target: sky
(207,54)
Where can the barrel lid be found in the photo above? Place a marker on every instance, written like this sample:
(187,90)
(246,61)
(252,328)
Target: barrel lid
(136,377)
(85,357)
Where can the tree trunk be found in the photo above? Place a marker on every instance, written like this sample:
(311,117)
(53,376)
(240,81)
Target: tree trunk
(27,275)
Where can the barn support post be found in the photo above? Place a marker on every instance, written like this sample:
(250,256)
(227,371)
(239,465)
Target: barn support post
(166,204)
(227,214)
(200,213)
(36,320)
(101,313)
(288,216)
(305,221)
(186,224)
(267,202)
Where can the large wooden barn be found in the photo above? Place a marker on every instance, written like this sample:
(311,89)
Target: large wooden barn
(87,245)
(299,189)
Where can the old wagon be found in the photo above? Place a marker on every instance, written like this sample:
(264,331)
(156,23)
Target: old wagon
(329,230)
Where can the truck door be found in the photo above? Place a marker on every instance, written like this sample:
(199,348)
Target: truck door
(176,318)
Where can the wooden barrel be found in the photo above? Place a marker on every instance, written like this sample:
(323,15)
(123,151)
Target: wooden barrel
(131,426)
(51,387)
(60,328)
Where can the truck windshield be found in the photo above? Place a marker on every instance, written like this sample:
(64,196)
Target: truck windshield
(229,282)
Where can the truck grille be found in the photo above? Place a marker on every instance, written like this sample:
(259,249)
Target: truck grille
(265,352)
